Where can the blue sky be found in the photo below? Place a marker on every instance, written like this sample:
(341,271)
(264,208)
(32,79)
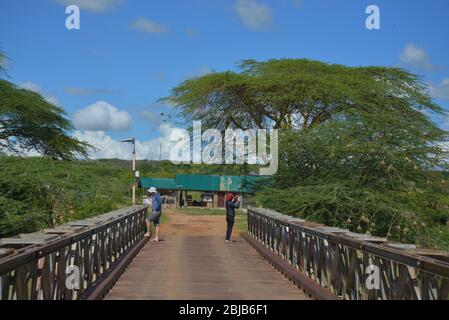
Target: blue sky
(128,53)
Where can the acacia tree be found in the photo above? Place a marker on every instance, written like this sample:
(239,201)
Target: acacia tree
(29,122)
(296,93)
(357,149)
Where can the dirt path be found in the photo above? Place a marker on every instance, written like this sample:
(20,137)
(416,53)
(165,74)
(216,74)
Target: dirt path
(200,225)
(194,262)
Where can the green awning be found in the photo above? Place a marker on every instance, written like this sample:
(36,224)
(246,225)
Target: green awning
(198,182)
(158,183)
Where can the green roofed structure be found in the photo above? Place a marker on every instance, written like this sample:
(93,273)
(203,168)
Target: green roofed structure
(158,183)
(213,187)
(215,183)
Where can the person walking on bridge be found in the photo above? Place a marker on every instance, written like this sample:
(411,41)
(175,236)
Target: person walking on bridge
(232,203)
(156,211)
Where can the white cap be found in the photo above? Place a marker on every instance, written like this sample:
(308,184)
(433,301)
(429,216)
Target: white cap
(152,190)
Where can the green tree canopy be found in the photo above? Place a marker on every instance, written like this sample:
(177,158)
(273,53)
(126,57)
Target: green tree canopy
(29,122)
(357,146)
(297,93)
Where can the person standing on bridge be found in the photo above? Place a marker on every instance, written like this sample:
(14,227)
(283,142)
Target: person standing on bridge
(232,203)
(156,212)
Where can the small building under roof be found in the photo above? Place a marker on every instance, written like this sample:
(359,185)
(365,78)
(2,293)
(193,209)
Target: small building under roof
(214,185)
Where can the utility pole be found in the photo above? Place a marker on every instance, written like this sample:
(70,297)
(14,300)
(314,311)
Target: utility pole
(133,141)
(160,150)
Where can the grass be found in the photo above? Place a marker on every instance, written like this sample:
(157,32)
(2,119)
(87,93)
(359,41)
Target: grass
(241,223)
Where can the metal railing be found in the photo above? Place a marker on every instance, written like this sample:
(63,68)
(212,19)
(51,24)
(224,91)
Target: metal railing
(68,262)
(351,267)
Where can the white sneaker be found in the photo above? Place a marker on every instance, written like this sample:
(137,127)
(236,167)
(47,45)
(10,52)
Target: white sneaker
(227,241)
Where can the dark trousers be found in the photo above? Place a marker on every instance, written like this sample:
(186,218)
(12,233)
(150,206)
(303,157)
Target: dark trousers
(230,220)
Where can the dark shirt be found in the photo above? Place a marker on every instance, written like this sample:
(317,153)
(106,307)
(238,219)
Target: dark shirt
(231,206)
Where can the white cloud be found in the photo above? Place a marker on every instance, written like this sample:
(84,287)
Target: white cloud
(92,5)
(22,152)
(108,148)
(254,15)
(53,100)
(29,85)
(101,116)
(417,57)
(166,130)
(147,26)
(440,91)
(151,117)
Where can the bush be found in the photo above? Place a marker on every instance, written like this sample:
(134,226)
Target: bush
(42,192)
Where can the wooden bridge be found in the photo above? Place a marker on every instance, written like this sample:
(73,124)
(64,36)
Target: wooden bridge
(278,257)
(201,267)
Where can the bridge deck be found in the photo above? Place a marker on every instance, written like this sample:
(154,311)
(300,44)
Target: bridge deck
(193,262)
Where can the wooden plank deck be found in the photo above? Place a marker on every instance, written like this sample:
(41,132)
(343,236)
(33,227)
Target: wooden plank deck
(202,267)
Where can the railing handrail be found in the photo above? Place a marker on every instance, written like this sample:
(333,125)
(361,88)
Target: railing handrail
(95,246)
(418,261)
(36,251)
(343,261)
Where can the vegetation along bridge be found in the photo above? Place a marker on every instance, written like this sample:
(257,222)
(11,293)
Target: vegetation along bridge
(278,257)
